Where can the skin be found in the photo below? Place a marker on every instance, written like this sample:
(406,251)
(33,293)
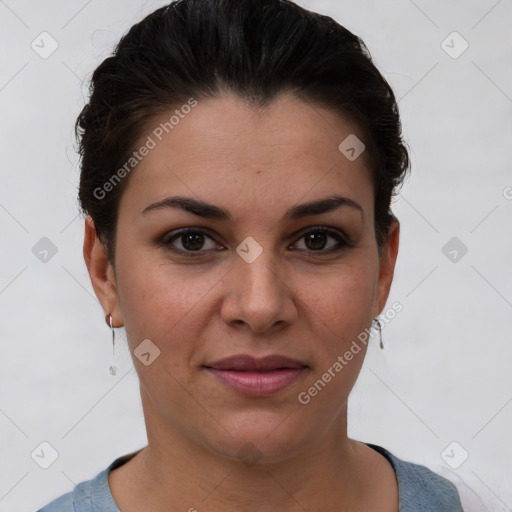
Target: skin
(292,300)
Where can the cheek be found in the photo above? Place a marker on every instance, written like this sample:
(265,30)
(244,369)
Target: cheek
(162,301)
(341,309)
(344,299)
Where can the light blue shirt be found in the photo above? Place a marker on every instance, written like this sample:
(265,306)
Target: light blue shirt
(420,490)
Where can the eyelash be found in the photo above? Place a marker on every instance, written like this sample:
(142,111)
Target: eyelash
(343,241)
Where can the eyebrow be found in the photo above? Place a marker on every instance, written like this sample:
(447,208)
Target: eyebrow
(211,211)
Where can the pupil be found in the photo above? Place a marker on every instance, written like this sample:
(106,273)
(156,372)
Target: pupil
(318,240)
(195,239)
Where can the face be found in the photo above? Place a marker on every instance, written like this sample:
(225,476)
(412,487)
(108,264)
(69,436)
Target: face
(260,272)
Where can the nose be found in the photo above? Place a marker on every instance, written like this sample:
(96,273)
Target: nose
(259,295)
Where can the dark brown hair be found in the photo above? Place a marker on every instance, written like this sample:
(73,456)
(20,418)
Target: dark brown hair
(254,49)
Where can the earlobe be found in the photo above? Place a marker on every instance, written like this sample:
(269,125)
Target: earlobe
(387,265)
(100,271)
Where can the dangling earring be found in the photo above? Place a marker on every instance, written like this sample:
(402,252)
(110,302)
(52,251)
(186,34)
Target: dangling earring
(379,327)
(113,368)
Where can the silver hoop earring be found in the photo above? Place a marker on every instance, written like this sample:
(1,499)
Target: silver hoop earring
(379,328)
(113,368)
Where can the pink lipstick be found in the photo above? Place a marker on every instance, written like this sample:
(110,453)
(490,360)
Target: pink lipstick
(251,376)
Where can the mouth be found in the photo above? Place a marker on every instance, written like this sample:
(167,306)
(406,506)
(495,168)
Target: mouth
(251,376)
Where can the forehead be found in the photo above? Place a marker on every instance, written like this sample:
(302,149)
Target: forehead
(227,149)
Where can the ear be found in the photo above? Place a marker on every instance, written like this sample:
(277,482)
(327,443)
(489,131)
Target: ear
(101,274)
(388,257)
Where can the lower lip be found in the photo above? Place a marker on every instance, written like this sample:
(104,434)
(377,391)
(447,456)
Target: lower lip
(257,383)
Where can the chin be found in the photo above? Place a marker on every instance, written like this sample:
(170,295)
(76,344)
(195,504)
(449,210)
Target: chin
(260,441)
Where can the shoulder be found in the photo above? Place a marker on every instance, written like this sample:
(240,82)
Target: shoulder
(91,495)
(420,488)
(85,497)
(62,504)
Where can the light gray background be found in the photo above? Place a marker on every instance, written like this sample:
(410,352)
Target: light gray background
(444,375)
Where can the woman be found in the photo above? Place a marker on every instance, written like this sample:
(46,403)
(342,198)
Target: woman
(239,158)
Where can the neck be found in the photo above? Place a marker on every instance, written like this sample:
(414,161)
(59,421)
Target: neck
(177,471)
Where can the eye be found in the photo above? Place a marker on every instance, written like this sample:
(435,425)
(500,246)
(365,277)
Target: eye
(316,240)
(190,240)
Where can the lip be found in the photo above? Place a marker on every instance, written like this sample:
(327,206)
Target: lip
(244,362)
(251,376)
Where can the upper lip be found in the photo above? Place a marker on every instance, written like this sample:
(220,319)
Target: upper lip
(246,362)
